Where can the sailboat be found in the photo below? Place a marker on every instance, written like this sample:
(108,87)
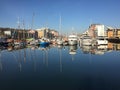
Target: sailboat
(44,42)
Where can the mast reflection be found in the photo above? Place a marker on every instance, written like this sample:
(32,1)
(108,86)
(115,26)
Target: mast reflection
(1,61)
(60,47)
(45,49)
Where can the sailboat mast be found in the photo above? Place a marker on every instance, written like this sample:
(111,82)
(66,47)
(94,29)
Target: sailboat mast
(18,23)
(32,21)
(60,26)
(18,28)
(32,24)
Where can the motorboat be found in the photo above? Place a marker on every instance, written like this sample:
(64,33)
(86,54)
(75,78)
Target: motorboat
(86,40)
(59,41)
(44,42)
(72,40)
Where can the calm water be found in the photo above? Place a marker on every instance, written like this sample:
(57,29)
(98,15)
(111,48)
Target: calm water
(60,68)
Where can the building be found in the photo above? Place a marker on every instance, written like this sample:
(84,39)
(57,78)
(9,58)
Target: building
(32,34)
(19,34)
(96,30)
(113,33)
(54,33)
(42,32)
(47,33)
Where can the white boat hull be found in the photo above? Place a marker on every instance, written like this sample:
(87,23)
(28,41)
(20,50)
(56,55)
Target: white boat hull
(72,42)
(102,42)
(86,42)
(59,42)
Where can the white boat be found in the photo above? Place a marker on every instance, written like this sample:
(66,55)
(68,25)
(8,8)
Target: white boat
(72,40)
(65,43)
(19,44)
(59,41)
(86,40)
(102,42)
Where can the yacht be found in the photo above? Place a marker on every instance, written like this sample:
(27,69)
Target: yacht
(59,41)
(72,40)
(86,40)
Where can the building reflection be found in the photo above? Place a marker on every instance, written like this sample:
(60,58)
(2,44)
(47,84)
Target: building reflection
(100,49)
(23,55)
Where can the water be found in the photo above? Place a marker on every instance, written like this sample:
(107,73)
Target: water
(60,68)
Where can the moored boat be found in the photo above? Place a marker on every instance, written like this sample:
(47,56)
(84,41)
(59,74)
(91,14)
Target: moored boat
(86,40)
(44,42)
(72,40)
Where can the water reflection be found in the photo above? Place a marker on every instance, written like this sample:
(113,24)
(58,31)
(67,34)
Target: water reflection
(40,65)
(100,49)
(72,51)
(0,61)
(44,50)
(60,47)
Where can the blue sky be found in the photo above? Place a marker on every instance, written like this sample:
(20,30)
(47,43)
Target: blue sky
(76,15)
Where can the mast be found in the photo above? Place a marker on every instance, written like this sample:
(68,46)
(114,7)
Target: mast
(60,26)
(32,20)
(24,29)
(18,22)
(33,24)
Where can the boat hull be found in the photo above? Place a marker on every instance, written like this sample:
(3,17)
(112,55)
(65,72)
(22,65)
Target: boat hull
(59,42)
(44,44)
(72,42)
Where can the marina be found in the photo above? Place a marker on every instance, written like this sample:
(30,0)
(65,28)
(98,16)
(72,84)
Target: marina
(59,45)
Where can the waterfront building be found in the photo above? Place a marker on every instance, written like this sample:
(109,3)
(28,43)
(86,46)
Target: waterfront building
(32,34)
(12,33)
(47,33)
(54,33)
(96,30)
(113,33)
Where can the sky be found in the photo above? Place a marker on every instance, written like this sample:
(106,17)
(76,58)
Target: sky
(76,15)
